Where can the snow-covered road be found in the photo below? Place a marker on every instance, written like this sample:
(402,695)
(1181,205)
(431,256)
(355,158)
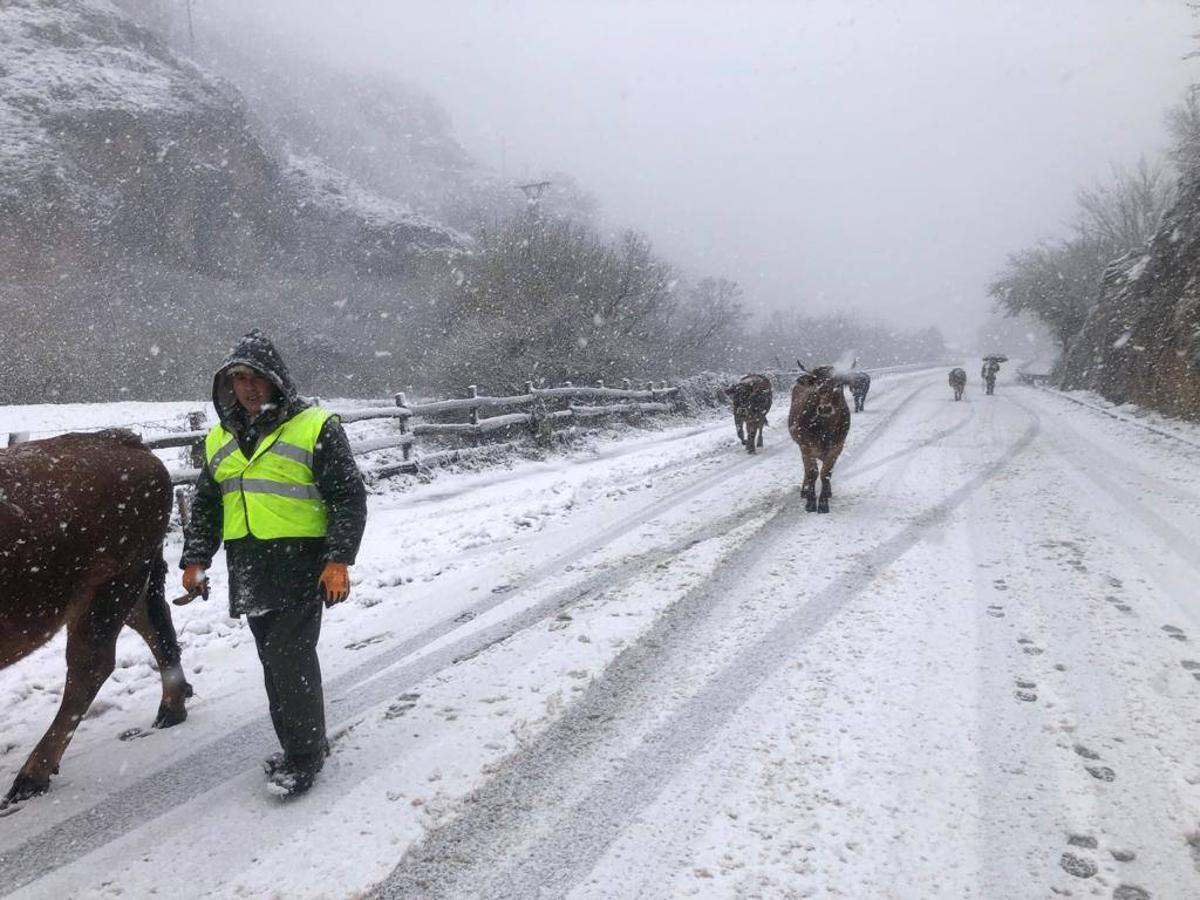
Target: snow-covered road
(644,671)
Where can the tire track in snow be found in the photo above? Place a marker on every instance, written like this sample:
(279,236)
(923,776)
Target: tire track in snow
(359,689)
(489,852)
(1181,544)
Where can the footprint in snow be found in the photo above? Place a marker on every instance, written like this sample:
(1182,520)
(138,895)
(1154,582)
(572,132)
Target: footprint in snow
(403,704)
(1130,892)
(1101,773)
(1086,752)
(368,641)
(1086,841)
(1175,632)
(1026,696)
(1123,855)
(1079,866)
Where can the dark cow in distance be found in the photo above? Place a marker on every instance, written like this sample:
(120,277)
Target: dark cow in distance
(859,383)
(751,398)
(82,523)
(819,421)
(958,382)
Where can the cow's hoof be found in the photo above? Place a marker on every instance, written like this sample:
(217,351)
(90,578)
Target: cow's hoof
(24,787)
(188,693)
(810,506)
(822,507)
(169,716)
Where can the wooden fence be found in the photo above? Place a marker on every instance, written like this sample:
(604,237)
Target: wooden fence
(539,413)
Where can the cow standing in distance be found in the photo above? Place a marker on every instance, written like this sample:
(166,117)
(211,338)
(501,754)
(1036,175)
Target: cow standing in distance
(860,384)
(751,398)
(818,422)
(958,382)
(82,523)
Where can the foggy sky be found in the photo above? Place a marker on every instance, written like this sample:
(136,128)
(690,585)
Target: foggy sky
(880,157)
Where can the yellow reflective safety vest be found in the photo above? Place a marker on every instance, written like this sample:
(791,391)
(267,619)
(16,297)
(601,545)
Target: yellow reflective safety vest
(273,494)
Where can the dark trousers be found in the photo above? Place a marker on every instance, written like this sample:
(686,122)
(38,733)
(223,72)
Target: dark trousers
(287,647)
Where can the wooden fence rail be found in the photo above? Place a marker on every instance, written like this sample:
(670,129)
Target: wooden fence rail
(538,423)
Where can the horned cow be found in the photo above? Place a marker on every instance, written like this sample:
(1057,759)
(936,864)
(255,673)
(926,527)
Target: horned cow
(818,421)
(82,523)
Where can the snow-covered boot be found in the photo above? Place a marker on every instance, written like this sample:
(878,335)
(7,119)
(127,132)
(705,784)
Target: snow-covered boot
(274,762)
(295,775)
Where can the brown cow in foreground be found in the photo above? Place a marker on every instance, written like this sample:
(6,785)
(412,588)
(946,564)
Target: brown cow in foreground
(82,523)
(751,398)
(819,421)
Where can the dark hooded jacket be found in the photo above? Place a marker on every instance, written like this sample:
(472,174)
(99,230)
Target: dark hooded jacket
(282,573)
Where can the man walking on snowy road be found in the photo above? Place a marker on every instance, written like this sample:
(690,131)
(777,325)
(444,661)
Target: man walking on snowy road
(281,488)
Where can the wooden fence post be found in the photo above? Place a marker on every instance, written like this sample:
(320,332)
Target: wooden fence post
(196,451)
(17,437)
(402,402)
(473,392)
(183,501)
(541,426)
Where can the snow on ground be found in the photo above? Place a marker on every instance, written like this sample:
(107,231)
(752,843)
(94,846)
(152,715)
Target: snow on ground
(640,669)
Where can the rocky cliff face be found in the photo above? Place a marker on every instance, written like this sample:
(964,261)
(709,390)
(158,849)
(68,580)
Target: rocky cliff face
(114,145)
(1141,342)
(143,214)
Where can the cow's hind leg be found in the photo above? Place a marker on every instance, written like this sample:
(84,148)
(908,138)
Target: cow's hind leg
(91,654)
(761,424)
(809,488)
(737,423)
(151,618)
(826,479)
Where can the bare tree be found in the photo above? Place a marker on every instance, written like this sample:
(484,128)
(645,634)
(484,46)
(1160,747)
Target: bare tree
(1183,123)
(1122,214)
(1058,282)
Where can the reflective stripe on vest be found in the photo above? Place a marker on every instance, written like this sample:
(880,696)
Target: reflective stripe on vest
(273,494)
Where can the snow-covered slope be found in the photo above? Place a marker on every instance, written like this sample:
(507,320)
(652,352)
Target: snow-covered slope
(113,144)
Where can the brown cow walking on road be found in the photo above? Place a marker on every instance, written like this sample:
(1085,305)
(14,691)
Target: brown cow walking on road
(819,421)
(751,398)
(859,383)
(82,523)
(958,382)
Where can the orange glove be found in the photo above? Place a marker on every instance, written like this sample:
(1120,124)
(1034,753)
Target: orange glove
(195,581)
(335,581)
